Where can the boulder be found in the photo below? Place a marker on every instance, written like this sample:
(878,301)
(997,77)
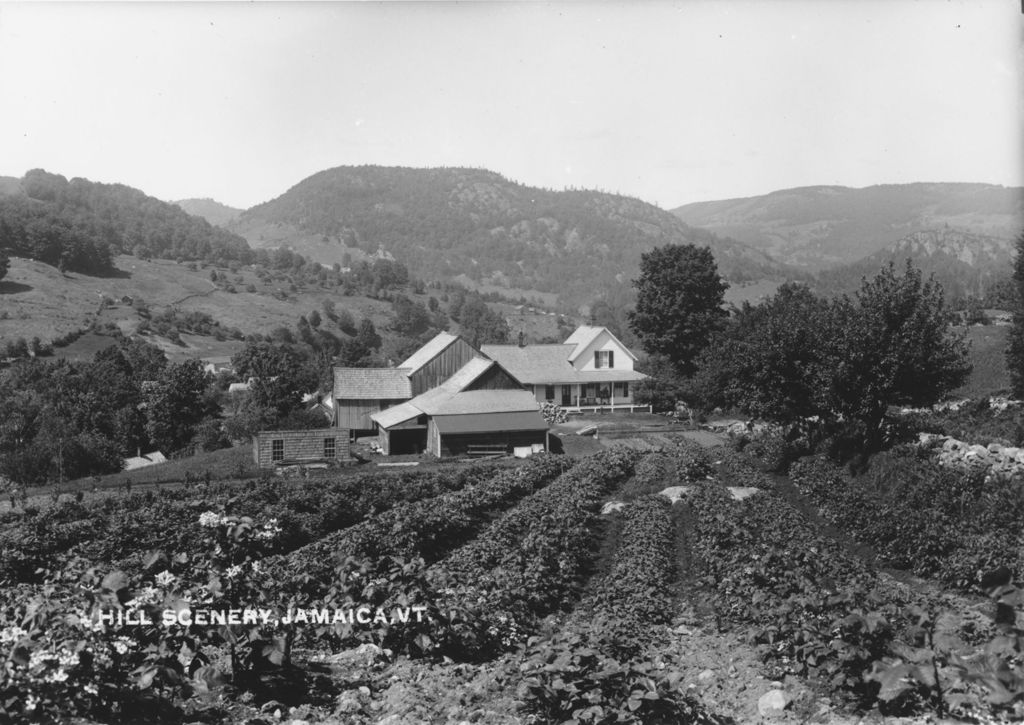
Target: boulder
(773,702)
(674,493)
(611,506)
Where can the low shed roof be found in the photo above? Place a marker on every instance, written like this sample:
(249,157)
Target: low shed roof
(490,422)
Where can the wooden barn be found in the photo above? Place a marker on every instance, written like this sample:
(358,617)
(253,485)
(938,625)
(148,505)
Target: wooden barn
(479,409)
(300,447)
(437,361)
(361,392)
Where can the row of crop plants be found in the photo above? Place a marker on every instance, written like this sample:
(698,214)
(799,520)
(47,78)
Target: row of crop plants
(948,525)
(58,660)
(823,615)
(119,531)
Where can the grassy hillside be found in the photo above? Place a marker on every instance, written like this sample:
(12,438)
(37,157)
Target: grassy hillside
(988,355)
(36,300)
(823,226)
(444,223)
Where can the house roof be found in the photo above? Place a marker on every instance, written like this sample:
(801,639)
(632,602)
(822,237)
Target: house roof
(372,383)
(150,459)
(429,351)
(550,365)
(534,363)
(583,335)
(525,420)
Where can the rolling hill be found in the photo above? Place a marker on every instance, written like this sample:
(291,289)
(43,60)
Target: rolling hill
(819,227)
(447,222)
(219,215)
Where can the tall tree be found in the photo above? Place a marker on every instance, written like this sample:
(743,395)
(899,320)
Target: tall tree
(1015,346)
(176,404)
(679,302)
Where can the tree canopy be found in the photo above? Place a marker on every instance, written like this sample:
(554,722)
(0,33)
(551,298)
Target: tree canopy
(679,302)
(843,362)
(1015,346)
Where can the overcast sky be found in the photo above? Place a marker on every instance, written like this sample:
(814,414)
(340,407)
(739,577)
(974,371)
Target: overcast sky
(671,102)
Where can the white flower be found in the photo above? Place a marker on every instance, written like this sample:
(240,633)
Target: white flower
(165,578)
(31,702)
(12,634)
(68,659)
(255,567)
(209,519)
(38,658)
(233,571)
(91,688)
(122,645)
(57,676)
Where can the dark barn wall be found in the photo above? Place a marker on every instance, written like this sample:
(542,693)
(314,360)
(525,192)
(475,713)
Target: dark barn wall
(355,414)
(442,367)
(457,444)
(495,379)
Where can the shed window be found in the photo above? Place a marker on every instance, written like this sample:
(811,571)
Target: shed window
(329,449)
(604,358)
(549,392)
(277,449)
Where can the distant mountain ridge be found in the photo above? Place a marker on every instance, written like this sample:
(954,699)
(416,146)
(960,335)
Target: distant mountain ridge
(220,215)
(444,222)
(966,265)
(819,227)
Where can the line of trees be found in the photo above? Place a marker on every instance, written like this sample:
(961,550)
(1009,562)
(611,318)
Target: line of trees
(65,420)
(798,357)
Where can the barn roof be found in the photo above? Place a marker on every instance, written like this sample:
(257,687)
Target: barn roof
(451,398)
(429,351)
(483,401)
(398,414)
(480,422)
(372,383)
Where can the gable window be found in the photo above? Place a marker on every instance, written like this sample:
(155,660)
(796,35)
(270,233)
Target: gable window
(604,359)
(329,450)
(277,449)
(549,392)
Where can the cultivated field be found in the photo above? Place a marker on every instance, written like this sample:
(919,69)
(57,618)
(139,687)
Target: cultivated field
(549,590)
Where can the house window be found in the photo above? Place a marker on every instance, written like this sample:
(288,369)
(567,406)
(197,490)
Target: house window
(625,390)
(329,451)
(604,359)
(277,450)
(549,392)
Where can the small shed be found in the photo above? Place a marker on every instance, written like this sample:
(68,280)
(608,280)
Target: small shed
(300,447)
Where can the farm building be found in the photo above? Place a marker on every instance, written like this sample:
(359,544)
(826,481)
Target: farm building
(479,409)
(361,392)
(591,369)
(437,361)
(300,447)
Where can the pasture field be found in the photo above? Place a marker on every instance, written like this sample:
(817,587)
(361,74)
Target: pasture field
(988,356)
(555,589)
